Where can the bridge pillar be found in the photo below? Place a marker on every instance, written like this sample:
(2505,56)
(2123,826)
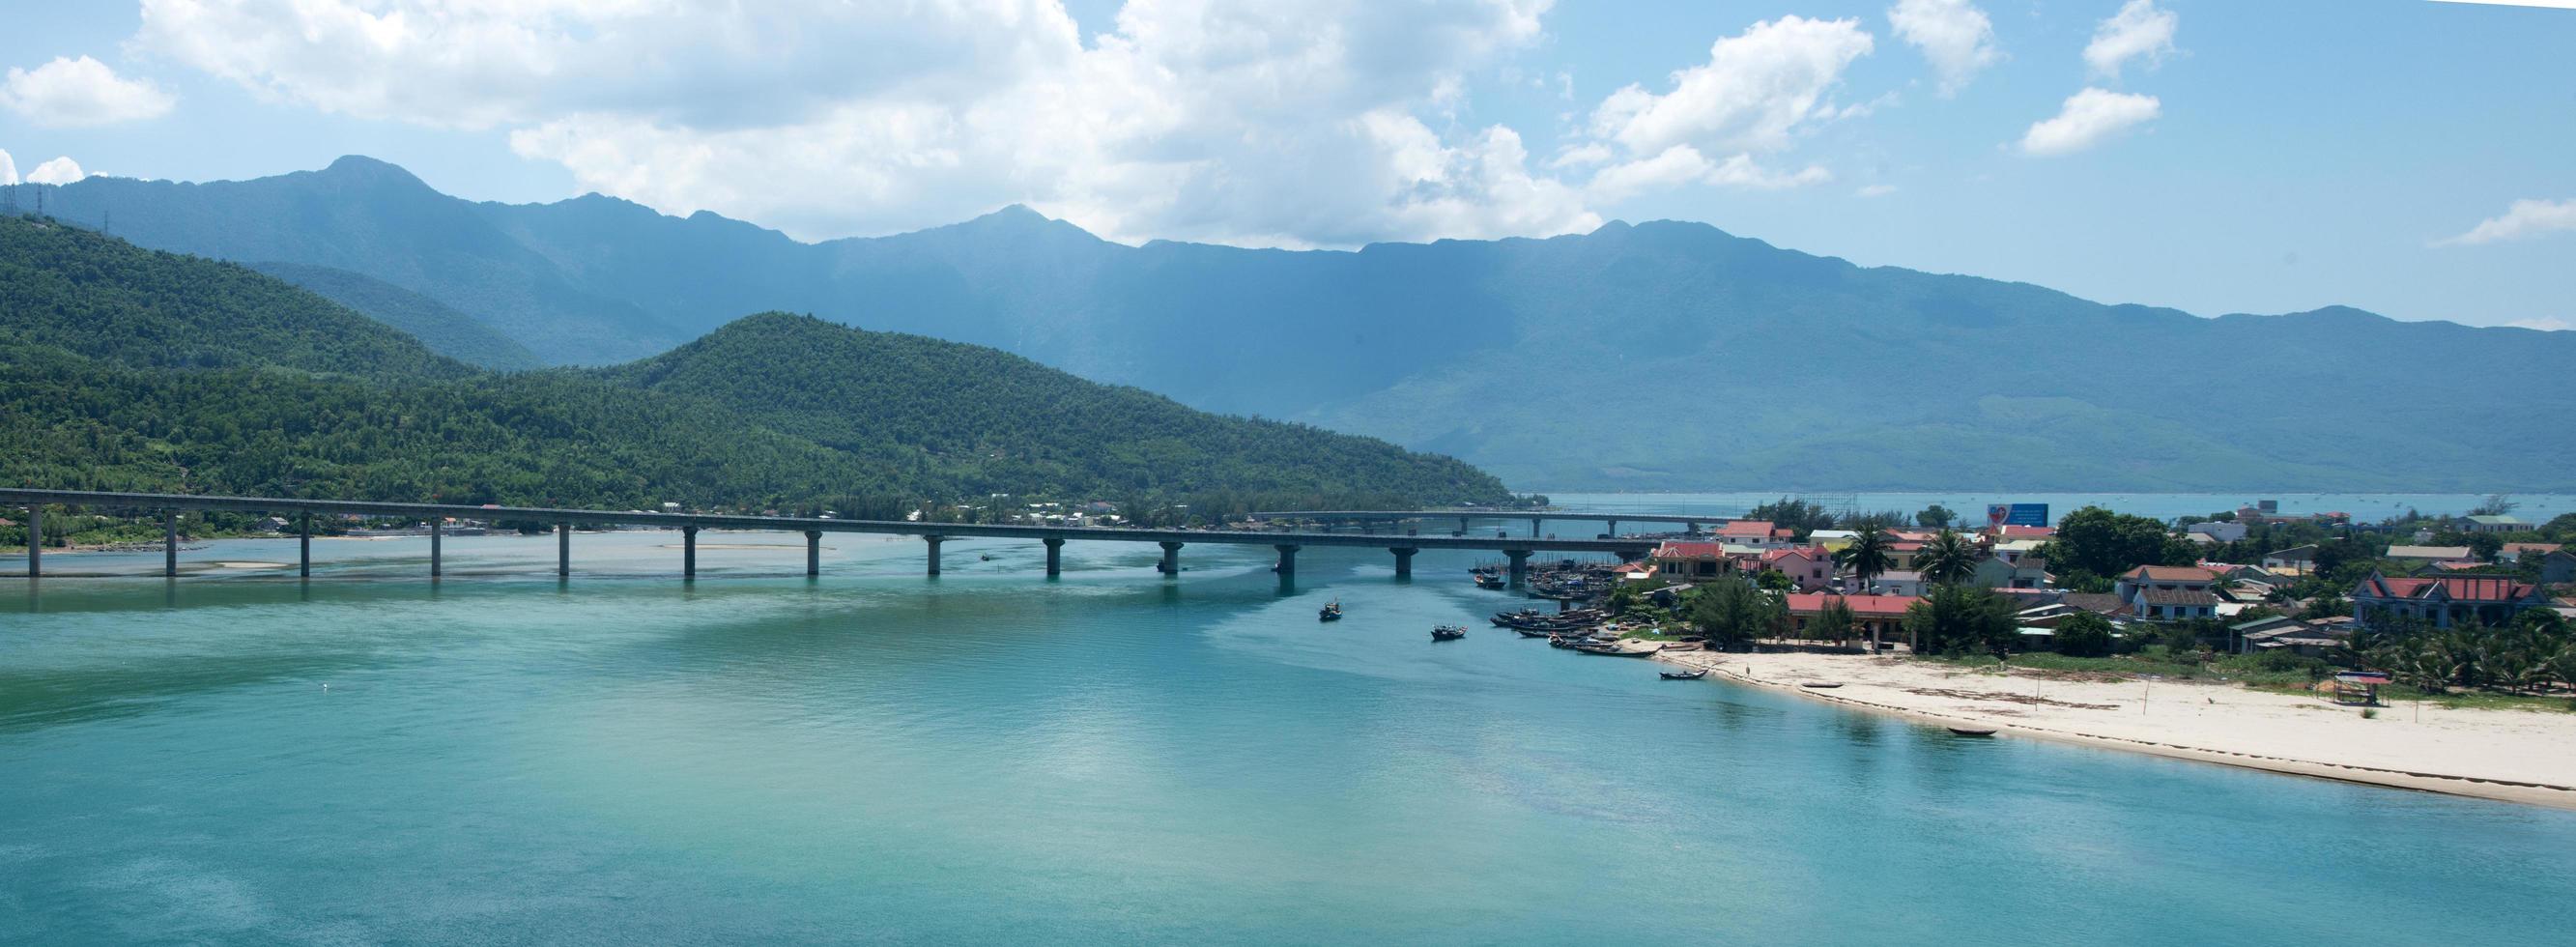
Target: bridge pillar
(688,552)
(1519,567)
(813,552)
(563,550)
(1171,564)
(437,530)
(1462,526)
(1055,557)
(170,543)
(35,539)
(304,545)
(1287,560)
(1614,527)
(1534,527)
(1690,526)
(933,542)
(1404,561)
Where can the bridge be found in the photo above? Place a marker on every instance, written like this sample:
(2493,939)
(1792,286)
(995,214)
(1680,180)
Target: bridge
(1690,521)
(1287,544)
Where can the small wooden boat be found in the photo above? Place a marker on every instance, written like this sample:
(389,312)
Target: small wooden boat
(1448,632)
(1972,731)
(1332,612)
(1490,582)
(1822,685)
(1683,675)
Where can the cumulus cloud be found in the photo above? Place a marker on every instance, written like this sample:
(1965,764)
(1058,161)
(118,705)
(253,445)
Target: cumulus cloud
(8,169)
(1875,190)
(2088,118)
(1243,122)
(2141,30)
(1756,89)
(76,92)
(58,171)
(1954,36)
(2522,220)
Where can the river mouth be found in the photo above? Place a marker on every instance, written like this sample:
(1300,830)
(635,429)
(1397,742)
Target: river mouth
(1110,757)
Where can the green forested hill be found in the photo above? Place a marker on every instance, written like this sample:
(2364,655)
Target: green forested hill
(996,422)
(123,369)
(1766,368)
(102,298)
(445,330)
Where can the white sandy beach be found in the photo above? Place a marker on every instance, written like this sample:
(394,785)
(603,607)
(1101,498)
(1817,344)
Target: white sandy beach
(2514,755)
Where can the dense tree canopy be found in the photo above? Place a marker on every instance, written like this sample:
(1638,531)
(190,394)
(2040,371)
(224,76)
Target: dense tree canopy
(124,369)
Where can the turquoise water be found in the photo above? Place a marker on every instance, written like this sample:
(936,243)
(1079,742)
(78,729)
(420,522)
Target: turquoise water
(1112,758)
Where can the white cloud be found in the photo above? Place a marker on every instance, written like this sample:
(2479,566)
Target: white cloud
(75,92)
(58,171)
(2544,323)
(2088,118)
(1875,190)
(1954,36)
(2139,30)
(8,169)
(1755,91)
(2522,220)
(1224,120)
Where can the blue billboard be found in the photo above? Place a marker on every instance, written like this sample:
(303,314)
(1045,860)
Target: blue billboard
(2017,514)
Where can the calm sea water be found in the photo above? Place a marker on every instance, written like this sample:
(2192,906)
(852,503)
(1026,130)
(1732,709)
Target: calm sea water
(1112,758)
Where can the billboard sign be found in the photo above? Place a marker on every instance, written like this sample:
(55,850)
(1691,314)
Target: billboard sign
(2017,514)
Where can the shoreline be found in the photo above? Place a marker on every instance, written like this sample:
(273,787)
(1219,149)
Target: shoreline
(2550,782)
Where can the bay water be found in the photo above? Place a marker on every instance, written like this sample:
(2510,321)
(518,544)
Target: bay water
(1115,757)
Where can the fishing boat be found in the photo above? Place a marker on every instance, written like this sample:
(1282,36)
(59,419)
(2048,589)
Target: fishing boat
(1821,685)
(1972,731)
(1484,581)
(1684,675)
(1448,632)
(1332,612)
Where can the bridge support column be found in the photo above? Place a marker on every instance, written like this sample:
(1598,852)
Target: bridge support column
(934,542)
(1519,566)
(1690,526)
(1055,557)
(1171,564)
(1534,527)
(437,531)
(1287,560)
(688,552)
(1462,526)
(35,539)
(563,550)
(170,543)
(1614,527)
(1403,561)
(304,545)
(813,552)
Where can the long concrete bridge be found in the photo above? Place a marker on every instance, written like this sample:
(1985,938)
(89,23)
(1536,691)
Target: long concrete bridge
(1690,521)
(1516,551)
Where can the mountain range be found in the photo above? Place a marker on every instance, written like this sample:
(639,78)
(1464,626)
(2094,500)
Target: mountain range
(1663,355)
(129,369)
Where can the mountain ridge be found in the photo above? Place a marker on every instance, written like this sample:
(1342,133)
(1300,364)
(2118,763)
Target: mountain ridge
(1773,365)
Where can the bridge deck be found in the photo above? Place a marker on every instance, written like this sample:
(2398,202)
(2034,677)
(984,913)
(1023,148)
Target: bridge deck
(585,517)
(1602,516)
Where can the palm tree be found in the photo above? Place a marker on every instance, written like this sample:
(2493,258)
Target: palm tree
(1948,558)
(1867,556)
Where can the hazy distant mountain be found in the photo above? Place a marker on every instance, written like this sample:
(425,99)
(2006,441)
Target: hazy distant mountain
(446,331)
(1654,356)
(122,368)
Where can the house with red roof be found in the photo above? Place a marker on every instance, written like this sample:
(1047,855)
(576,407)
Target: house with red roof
(1811,567)
(2442,601)
(1692,561)
(1877,617)
(1759,534)
(2168,593)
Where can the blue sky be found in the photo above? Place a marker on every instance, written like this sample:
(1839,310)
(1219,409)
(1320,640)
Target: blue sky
(2405,156)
